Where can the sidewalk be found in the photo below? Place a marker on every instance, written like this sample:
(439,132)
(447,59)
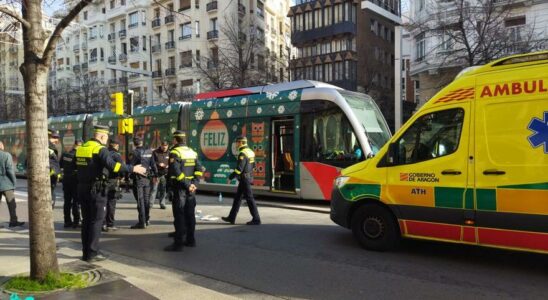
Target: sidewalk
(119,277)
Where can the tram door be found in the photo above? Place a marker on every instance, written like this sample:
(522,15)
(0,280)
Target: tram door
(283,166)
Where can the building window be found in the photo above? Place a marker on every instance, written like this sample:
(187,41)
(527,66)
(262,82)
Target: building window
(328,72)
(133,19)
(186,59)
(260,8)
(186,31)
(420,47)
(197,28)
(134,44)
(85,15)
(184,4)
(317,18)
(144,39)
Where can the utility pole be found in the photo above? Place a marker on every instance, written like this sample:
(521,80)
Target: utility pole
(150,80)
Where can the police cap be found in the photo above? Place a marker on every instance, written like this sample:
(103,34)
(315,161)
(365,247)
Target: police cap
(54,135)
(101,129)
(114,140)
(241,138)
(179,133)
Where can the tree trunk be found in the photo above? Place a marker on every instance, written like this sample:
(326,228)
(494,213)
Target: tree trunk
(43,256)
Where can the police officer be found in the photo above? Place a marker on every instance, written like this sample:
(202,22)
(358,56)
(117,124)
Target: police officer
(91,160)
(70,185)
(54,168)
(141,183)
(183,173)
(114,192)
(244,172)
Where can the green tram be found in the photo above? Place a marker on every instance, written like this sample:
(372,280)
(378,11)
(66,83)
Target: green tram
(303,133)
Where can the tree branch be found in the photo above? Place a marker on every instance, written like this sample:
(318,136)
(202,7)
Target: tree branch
(15,16)
(48,52)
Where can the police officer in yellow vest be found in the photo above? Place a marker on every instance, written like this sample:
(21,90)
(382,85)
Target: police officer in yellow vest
(183,174)
(244,172)
(92,159)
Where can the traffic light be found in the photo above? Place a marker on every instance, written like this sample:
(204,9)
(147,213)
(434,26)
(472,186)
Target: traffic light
(117,103)
(125,126)
(129,103)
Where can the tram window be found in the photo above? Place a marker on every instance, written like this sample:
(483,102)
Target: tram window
(327,136)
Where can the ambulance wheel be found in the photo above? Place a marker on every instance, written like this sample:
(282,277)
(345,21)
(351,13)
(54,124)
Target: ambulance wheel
(375,228)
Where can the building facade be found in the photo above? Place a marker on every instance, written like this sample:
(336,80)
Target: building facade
(164,50)
(347,43)
(508,27)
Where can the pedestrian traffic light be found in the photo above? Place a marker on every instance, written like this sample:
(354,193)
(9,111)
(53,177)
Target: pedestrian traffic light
(125,126)
(117,103)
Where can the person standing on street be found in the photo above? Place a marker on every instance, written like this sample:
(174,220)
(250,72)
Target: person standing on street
(54,168)
(7,185)
(244,173)
(141,183)
(114,192)
(70,187)
(92,159)
(160,161)
(184,173)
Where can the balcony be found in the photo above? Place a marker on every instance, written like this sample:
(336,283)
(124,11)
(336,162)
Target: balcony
(111,37)
(156,23)
(122,80)
(185,65)
(156,48)
(241,9)
(122,33)
(170,72)
(156,74)
(169,19)
(84,66)
(213,34)
(112,59)
(94,37)
(76,48)
(211,6)
(76,68)
(302,37)
(122,57)
(134,75)
(170,45)
(112,81)
(185,37)
(133,25)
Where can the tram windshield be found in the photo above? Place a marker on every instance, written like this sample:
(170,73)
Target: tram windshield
(370,116)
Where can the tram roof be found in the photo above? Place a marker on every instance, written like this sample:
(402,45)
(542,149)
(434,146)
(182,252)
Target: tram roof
(278,87)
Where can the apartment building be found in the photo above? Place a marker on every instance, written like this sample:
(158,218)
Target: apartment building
(11,57)
(511,26)
(347,43)
(121,44)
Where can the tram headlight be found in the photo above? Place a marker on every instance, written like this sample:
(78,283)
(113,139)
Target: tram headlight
(341,181)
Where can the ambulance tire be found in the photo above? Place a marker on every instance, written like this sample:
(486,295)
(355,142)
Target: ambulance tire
(375,228)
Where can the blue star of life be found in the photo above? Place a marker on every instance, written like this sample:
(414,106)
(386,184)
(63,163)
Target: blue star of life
(540,135)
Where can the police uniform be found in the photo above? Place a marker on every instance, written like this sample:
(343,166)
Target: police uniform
(114,192)
(184,170)
(70,185)
(54,167)
(91,160)
(244,173)
(141,184)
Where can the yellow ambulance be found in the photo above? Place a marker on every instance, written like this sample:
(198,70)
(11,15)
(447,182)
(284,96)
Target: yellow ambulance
(471,166)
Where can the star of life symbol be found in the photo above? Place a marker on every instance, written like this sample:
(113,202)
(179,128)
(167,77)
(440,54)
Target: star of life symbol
(540,132)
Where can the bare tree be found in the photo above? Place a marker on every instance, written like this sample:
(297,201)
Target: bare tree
(237,57)
(470,33)
(3,100)
(39,47)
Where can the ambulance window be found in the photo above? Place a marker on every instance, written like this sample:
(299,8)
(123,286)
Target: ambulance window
(431,136)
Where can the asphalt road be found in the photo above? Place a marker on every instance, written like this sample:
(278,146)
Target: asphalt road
(300,254)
